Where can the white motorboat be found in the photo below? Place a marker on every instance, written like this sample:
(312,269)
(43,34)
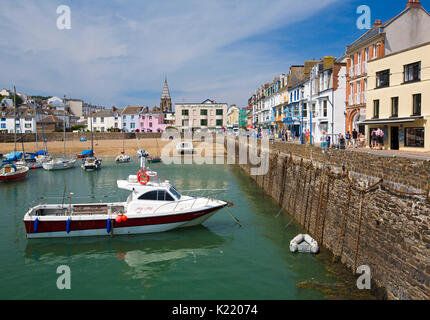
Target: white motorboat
(122,158)
(91,164)
(152,206)
(58,164)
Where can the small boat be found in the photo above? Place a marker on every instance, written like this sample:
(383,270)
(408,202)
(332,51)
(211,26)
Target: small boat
(13,157)
(122,158)
(91,164)
(59,164)
(12,172)
(152,206)
(153,159)
(185,147)
(304,243)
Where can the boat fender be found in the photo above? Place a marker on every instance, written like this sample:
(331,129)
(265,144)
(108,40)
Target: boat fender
(68,226)
(124,218)
(108,225)
(118,218)
(36,225)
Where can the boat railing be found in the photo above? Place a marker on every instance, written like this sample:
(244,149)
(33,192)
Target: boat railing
(194,201)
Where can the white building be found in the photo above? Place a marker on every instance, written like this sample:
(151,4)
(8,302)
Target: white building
(130,118)
(327,109)
(105,120)
(208,115)
(25,120)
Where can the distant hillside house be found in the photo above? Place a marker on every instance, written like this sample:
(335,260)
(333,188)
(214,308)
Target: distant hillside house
(152,122)
(49,124)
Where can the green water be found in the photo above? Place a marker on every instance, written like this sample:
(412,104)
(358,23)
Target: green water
(218,260)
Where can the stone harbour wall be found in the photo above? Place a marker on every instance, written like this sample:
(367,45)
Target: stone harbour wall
(366,209)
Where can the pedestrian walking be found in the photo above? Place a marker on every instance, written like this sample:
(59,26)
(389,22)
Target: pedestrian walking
(354,138)
(373,139)
(380,138)
(348,139)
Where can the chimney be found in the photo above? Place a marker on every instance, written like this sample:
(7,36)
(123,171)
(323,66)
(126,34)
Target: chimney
(413,4)
(377,23)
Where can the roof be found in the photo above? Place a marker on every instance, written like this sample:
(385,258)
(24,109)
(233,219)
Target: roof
(104,113)
(131,110)
(50,119)
(378,30)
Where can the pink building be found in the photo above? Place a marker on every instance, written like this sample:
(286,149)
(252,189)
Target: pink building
(152,122)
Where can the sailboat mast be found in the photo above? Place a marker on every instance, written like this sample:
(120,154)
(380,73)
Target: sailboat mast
(91,121)
(64,126)
(37,145)
(14,117)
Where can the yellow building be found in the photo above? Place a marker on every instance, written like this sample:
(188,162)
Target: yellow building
(233,117)
(398,99)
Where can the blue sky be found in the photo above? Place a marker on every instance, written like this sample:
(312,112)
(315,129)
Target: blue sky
(119,51)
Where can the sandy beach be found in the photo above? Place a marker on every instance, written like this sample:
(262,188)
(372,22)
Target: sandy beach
(102,148)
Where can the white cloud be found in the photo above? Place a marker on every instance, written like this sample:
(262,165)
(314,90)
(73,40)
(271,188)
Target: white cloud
(127,46)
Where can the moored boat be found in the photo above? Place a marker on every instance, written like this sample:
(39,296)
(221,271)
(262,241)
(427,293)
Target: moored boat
(91,164)
(152,206)
(12,172)
(122,158)
(59,164)
(153,159)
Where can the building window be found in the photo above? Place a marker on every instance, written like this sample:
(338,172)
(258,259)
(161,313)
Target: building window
(185,112)
(413,72)
(383,79)
(94,119)
(143,117)
(219,112)
(414,137)
(116,124)
(3,119)
(305,110)
(375,108)
(132,125)
(132,117)
(203,112)
(3,125)
(124,124)
(416,104)
(28,125)
(150,124)
(325,108)
(203,122)
(395,107)
(27,119)
(102,129)
(150,117)
(102,120)
(219,123)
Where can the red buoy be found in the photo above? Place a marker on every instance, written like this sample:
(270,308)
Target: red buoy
(124,218)
(118,219)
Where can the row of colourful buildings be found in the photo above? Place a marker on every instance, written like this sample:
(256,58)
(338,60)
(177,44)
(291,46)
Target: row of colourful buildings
(381,81)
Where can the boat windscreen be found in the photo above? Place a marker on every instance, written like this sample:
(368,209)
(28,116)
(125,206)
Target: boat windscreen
(175,193)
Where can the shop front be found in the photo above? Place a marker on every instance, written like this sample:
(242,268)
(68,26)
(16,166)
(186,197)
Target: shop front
(408,134)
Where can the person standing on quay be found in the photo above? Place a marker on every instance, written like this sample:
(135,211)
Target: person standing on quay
(354,138)
(348,139)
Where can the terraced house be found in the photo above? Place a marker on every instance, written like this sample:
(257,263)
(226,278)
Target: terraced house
(399,96)
(408,29)
(130,118)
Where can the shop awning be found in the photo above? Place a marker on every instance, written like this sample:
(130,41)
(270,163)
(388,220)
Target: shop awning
(390,120)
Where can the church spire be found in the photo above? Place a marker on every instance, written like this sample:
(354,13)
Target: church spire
(166,101)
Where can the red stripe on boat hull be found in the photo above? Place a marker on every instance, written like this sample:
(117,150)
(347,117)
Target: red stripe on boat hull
(13,177)
(75,225)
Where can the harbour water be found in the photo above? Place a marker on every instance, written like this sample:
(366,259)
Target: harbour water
(218,260)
